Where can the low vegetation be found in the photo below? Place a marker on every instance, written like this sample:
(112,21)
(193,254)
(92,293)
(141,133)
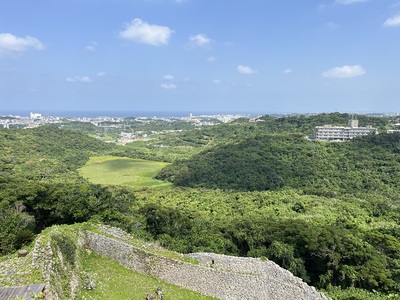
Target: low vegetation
(123,171)
(114,281)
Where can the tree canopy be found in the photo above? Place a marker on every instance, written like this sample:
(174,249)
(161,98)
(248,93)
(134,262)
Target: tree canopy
(272,162)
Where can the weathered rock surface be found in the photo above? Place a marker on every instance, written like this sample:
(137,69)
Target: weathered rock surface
(221,276)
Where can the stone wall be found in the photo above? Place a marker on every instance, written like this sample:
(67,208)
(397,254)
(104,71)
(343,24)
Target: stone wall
(220,276)
(61,278)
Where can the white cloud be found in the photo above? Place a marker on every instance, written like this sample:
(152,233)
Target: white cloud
(84,79)
(216,81)
(344,72)
(92,46)
(345,2)
(393,21)
(144,33)
(287,71)
(211,59)
(246,70)
(169,77)
(101,74)
(10,43)
(200,40)
(168,86)
(331,25)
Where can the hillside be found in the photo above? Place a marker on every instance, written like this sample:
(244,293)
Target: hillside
(46,151)
(62,259)
(272,162)
(39,184)
(183,144)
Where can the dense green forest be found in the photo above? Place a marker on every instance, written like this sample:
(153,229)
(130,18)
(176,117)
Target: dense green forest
(347,242)
(328,212)
(272,162)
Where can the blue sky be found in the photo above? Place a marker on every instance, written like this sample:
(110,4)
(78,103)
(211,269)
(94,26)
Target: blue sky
(259,56)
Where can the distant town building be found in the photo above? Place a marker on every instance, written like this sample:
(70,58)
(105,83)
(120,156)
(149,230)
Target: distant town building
(35,115)
(396,128)
(341,133)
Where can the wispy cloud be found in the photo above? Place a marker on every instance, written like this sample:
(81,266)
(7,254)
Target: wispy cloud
(344,72)
(216,81)
(168,77)
(92,46)
(246,70)
(141,32)
(393,21)
(287,71)
(346,2)
(83,79)
(10,43)
(200,40)
(321,6)
(331,25)
(168,86)
(101,74)
(211,59)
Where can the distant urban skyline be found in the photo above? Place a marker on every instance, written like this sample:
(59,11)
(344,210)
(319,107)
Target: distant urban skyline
(167,114)
(126,113)
(200,56)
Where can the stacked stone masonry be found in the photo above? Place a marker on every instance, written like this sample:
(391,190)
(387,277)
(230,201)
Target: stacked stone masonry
(220,276)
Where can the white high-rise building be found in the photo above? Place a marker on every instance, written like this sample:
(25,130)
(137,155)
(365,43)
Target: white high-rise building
(341,133)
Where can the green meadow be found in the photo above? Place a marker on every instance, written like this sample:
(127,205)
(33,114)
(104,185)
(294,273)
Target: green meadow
(123,171)
(114,281)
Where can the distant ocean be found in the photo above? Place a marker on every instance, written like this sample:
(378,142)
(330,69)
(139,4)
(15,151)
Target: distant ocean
(121,114)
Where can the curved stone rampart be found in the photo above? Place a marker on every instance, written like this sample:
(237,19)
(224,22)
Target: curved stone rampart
(220,276)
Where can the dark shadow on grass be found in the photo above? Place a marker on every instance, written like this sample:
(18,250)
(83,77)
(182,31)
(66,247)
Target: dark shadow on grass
(118,164)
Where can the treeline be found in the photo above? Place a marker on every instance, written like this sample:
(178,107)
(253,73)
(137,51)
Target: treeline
(168,147)
(243,128)
(306,124)
(272,162)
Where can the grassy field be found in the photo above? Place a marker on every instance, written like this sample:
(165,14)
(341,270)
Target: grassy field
(114,281)
(123,171)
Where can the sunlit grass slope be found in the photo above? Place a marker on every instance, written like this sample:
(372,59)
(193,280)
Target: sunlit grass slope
(112,170)
(114,281)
